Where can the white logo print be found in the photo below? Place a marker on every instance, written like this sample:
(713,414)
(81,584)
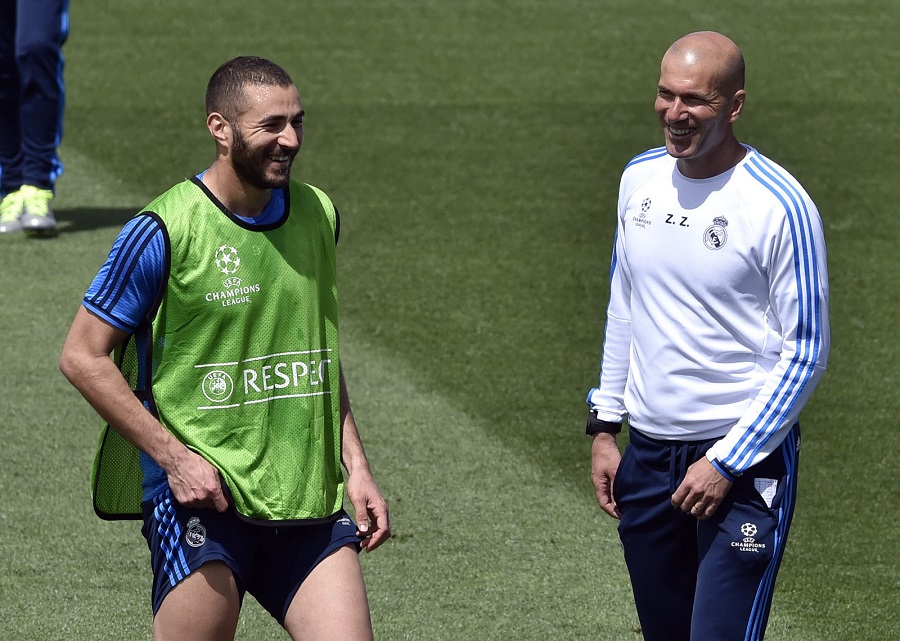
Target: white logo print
(217,386)
(196,533)
(234,292)
(264,379)
(749,544)
(227,260)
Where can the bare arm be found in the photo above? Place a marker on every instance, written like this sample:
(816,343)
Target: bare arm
(370,507)
(86,364)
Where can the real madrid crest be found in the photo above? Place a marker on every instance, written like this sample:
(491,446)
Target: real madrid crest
(715,235)
(195,534)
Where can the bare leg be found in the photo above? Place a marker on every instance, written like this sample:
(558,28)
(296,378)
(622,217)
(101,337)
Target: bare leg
(331,605)
(203,607)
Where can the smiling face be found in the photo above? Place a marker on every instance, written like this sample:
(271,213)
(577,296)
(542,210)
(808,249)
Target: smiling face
(267,135)
(698,99)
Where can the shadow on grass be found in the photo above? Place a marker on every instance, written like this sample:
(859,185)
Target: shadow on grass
(93,218)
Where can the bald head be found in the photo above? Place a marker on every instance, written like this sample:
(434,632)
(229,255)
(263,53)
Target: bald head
(699,98)
(713,51)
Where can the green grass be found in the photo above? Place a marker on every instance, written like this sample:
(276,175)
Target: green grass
(474,150)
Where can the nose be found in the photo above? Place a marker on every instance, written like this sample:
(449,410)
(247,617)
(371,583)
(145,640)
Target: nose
(677,110)
(289,138)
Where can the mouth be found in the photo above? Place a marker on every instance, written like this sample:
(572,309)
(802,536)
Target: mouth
(680,132)
(280,158)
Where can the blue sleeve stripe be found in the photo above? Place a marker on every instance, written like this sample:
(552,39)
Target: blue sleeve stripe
(135,241)
(650,154)
(802,365)
(115,321)
(615,256)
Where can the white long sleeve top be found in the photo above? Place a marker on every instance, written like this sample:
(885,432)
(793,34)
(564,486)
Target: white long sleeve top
(717,324)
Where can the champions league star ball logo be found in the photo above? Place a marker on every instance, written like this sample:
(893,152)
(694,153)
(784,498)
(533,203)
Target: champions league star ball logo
(227,260)
(749,544)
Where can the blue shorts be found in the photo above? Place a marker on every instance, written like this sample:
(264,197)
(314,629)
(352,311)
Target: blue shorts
(269,562)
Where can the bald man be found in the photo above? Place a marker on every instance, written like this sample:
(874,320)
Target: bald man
(716,335)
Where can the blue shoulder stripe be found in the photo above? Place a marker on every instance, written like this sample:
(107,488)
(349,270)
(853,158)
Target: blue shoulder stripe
(137,238)
(650,154)
(809,322)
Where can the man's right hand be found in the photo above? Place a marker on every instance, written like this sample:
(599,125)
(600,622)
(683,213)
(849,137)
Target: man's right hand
(195,482)
(605,458)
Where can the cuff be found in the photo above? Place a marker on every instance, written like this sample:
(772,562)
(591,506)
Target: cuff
(721,469)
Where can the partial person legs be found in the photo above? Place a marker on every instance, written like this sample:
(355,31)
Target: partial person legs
(203,607)
(331,604)
(32,96)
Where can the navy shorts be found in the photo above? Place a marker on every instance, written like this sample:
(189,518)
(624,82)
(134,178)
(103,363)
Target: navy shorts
(269,562)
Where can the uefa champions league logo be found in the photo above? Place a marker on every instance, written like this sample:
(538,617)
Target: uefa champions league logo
(227,260)
(749,544)
(233,292)
(749,531)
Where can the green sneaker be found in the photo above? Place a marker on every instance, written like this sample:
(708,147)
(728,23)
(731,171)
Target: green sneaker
(11,209)
(37,218)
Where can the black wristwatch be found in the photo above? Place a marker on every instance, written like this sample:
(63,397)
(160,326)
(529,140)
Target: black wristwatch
(597,425)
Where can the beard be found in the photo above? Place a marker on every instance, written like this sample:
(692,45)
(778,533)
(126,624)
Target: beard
(251,165)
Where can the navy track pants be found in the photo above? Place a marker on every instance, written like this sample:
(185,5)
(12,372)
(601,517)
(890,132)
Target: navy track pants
(703,580)
(32,93)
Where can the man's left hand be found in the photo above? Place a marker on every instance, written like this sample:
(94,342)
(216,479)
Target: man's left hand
(702,491)
(372,516)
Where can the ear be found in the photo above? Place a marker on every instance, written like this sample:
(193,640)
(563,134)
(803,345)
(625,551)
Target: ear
(737,105)
(219,128)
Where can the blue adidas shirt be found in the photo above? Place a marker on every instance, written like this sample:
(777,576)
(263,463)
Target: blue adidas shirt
(126,285)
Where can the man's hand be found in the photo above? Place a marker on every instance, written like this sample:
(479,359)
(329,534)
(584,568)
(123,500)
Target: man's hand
(195,482)
(372,517)
(605,459)
(702,491)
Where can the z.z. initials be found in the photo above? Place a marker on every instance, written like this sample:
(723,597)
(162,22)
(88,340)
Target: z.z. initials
(670,220)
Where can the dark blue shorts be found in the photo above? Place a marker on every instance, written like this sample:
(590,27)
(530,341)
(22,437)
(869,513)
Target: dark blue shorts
(269,562)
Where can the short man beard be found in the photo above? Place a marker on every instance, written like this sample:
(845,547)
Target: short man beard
(250,165)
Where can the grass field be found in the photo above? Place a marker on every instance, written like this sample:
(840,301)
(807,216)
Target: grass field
(474,150)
